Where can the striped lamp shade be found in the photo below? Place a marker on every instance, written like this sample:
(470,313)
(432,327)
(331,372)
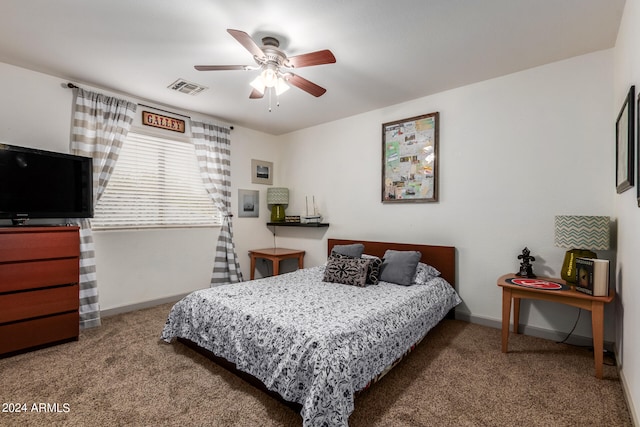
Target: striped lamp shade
(582,232)
(277,196)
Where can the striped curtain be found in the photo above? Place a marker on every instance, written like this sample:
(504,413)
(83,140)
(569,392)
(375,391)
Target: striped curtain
(213,149)
(100,125)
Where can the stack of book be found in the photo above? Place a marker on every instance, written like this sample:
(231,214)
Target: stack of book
(592,276)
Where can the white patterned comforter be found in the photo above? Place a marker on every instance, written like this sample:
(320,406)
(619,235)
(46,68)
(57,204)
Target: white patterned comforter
(315,343)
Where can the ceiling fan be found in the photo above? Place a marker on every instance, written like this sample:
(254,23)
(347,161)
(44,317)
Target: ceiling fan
(275,66)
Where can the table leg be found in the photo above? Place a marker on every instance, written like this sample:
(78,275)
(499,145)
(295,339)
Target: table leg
(506,314)
(516,315)
(300,262)
(276,266)
(597,330)
(253,266)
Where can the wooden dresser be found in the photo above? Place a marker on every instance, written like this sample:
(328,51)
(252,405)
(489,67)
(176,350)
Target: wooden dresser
(39,291)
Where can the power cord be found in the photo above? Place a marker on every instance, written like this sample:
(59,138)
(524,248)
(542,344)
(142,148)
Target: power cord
(606,352)
(572,329)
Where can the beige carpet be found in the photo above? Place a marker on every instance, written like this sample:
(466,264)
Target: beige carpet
(122,375)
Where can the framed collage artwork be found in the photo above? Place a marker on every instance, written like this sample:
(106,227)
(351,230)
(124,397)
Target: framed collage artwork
(410,160)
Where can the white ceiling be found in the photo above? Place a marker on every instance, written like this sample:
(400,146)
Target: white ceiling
(387,52)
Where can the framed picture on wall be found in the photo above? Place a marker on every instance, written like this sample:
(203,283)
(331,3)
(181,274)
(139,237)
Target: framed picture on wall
(625,142)
(638,147)
(248,203)
(261,172)
(410,160)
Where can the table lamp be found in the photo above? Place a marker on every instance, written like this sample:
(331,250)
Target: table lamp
(583,234)
(277,197)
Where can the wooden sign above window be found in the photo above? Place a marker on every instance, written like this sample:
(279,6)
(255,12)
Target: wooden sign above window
(163,122)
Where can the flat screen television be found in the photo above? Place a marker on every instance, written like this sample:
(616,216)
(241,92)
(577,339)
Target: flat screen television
(43,184)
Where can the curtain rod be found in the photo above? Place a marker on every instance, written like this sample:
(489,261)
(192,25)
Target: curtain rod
(72,86)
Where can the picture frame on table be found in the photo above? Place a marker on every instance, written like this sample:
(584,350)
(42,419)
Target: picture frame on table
(261,172)
(410,160)
(625,126)
(248,203)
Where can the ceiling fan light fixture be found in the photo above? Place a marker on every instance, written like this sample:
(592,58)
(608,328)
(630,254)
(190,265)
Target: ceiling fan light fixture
(281,86)
(269,77)
(258,84)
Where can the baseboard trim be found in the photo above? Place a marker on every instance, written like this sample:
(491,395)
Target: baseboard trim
(627,394)
(533,331)
(142,305)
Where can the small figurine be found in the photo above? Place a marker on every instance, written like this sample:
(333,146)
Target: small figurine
(526,269)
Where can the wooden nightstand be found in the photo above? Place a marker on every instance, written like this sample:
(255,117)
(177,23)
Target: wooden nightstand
(569,297)
(275,255)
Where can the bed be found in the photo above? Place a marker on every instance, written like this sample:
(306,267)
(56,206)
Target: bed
(318,343)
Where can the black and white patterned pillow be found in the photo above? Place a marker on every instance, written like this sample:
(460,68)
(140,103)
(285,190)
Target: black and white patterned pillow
(425,273)
(373,275)
(346,270)
(373,272)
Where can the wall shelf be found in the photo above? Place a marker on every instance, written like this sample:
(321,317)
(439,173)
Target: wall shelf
(298,224)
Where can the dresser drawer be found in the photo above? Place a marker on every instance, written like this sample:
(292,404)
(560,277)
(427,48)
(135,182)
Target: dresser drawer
(38,274)
(25,305)
(32,245)
(22,335)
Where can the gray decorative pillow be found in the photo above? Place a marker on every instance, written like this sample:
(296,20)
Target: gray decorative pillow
(399,266)
(424,274)
(348,271)
(355,250)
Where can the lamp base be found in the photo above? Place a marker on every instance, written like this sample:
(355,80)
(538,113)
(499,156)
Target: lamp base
(277,213)
(568,272)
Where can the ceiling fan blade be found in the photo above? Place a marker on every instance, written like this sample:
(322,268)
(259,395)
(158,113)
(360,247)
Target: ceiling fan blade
(255,94)
(220,67)
(305,85)
(246,41)
(314,58)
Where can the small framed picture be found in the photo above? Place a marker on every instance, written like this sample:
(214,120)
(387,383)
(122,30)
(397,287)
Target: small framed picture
(261,172)
(248,203)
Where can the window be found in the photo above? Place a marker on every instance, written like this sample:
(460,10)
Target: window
(156,183)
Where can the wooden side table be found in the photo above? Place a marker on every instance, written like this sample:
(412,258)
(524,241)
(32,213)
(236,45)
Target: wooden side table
(275,255)
(569,297)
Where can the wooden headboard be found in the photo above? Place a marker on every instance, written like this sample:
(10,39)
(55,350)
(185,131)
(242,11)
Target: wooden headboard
(441,257)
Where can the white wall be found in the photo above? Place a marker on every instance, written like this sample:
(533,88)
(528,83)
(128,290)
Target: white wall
(137,266)
(627,73)
(514,152)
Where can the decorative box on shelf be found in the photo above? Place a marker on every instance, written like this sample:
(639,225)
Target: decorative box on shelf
(311,219)
(292,218)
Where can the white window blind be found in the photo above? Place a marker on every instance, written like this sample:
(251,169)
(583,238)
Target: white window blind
(156,183)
